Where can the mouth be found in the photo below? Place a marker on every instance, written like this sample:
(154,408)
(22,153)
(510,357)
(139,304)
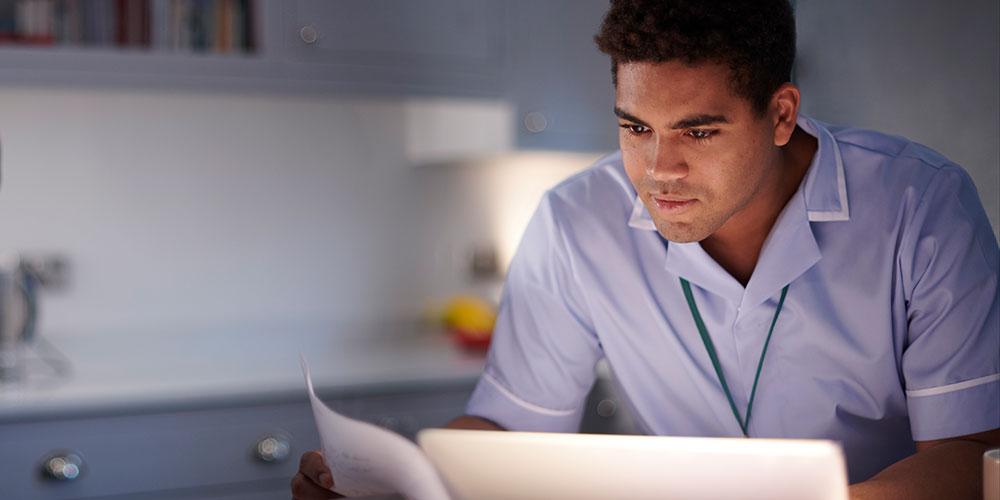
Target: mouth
(672,204)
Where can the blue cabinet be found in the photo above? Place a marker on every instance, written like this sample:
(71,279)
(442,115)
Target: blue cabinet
(558,80)
(227,451)
(436,47)
(537,54)
(452,47)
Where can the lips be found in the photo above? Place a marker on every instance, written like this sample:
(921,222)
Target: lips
(673,204)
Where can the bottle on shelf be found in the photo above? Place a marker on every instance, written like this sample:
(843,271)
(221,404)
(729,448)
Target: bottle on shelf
(204,26)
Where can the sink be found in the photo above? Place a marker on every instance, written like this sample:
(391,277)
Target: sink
(38,365)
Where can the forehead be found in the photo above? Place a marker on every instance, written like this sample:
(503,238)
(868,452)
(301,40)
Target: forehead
(674,88)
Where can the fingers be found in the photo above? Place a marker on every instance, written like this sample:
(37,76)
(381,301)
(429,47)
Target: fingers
(314,468)
(304,488)
(313,481)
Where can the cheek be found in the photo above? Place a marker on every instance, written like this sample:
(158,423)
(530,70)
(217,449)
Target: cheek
(635,166)
(724,177)
(740,178)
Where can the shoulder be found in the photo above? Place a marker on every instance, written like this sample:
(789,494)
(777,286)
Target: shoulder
(603,179)
(932,200)
(864,148)
(896,171)
(601,191)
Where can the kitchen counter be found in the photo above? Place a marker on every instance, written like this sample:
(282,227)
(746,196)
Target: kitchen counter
(184,414)
(146,372)
(197,413)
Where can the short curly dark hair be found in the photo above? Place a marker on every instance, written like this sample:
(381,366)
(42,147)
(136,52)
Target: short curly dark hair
(754,38)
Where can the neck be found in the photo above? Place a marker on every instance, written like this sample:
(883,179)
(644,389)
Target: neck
(737,245)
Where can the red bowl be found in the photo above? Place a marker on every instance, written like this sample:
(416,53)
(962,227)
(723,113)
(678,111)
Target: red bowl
(473,341)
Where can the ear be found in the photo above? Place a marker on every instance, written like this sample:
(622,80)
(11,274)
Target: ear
(784,111)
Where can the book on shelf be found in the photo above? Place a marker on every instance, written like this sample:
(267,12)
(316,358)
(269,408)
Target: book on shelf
(204,26)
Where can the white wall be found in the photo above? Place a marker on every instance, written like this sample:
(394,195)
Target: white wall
(483,203)
(925,69)
(194,210)
(201,209)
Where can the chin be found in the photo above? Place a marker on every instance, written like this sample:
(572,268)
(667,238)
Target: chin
(682,233)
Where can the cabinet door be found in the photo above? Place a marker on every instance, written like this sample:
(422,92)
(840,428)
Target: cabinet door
(560,82)
(234,452)
(105,64)
(408,412)
(432,46)
(177,454)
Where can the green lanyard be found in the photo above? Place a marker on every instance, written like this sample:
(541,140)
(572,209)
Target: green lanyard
(710,347)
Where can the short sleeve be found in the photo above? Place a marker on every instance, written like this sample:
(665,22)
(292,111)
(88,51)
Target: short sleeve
(951,357)
(541,362)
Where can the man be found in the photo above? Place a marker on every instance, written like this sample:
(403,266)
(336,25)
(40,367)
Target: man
(749,271)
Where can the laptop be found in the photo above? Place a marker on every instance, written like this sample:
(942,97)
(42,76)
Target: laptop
(485,465)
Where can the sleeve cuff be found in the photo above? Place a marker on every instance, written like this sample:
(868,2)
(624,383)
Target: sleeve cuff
(493,401)
(955,410)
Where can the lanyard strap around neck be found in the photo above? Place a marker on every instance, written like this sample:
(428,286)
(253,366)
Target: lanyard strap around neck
(710,347)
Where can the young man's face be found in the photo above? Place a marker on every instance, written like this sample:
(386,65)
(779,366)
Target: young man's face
(697,154)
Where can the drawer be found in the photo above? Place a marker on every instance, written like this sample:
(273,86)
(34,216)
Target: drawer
(203,454)
(406,413)
(129,454)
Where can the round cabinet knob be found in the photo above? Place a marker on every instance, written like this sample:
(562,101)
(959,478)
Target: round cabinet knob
(308,34)
(535,122)
(63,466)
(607,408)
(273,448)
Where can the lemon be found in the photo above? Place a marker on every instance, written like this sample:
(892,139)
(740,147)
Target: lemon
(470,314)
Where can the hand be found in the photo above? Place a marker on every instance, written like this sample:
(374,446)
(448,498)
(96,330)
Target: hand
(313,480)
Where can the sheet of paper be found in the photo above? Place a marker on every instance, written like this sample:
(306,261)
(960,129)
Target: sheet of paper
(365,459)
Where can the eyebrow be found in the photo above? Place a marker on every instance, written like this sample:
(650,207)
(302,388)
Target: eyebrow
(687,122)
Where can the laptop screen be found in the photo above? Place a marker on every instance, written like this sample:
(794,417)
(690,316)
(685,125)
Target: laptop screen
(533,465)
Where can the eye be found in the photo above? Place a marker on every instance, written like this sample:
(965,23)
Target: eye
(701,134)
(634,129)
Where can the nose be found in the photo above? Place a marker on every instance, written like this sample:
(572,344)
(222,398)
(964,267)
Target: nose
(667,164)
